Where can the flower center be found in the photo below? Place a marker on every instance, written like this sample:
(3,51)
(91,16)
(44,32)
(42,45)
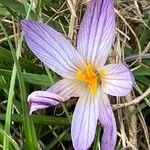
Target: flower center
(89,77)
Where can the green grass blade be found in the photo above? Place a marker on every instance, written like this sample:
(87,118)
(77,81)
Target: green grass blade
(145,36)
(27,123)
(14,7)
(97,138)
(40,80)
(9,103)
(10,140)
(6,57)
(56,140)
(142,72)
(42,119)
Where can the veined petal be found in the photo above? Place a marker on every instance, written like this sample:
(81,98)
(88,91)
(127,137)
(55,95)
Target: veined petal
(117,80)
(96,32)
(84,120)
(59,92)
(107,119)
(43,99)
(67,88)
(52,48)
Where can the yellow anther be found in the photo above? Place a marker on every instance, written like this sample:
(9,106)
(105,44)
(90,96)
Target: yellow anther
(88,77)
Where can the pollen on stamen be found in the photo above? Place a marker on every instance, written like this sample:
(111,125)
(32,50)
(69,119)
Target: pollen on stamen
(89,77)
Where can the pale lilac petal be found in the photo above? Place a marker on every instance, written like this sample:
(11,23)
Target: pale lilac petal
(96,32)
(107,120)
(52,48)
(67,88)
(84,120)
(59,92)
(118,80)
(43,99)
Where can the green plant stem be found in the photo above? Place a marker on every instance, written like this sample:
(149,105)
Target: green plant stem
(96,141)
(46,120)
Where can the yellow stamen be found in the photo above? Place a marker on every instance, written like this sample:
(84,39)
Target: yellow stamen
(89,77)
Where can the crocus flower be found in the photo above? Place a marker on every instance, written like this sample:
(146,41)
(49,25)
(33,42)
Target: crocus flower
(83,71)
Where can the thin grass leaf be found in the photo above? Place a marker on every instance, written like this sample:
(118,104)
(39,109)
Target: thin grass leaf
(40,80)
(97,138)
(38,9)
(42,119)
(27,123)
(145,36)
(15,7)
(56,140)
(6,56)
(142,72)
(9,138)
(144,80)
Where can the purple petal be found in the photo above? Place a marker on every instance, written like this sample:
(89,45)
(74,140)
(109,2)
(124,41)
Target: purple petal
(43,99)
(84,121)
(96,32)
(107,119)
(52,48)
(118,80)
(61,91)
